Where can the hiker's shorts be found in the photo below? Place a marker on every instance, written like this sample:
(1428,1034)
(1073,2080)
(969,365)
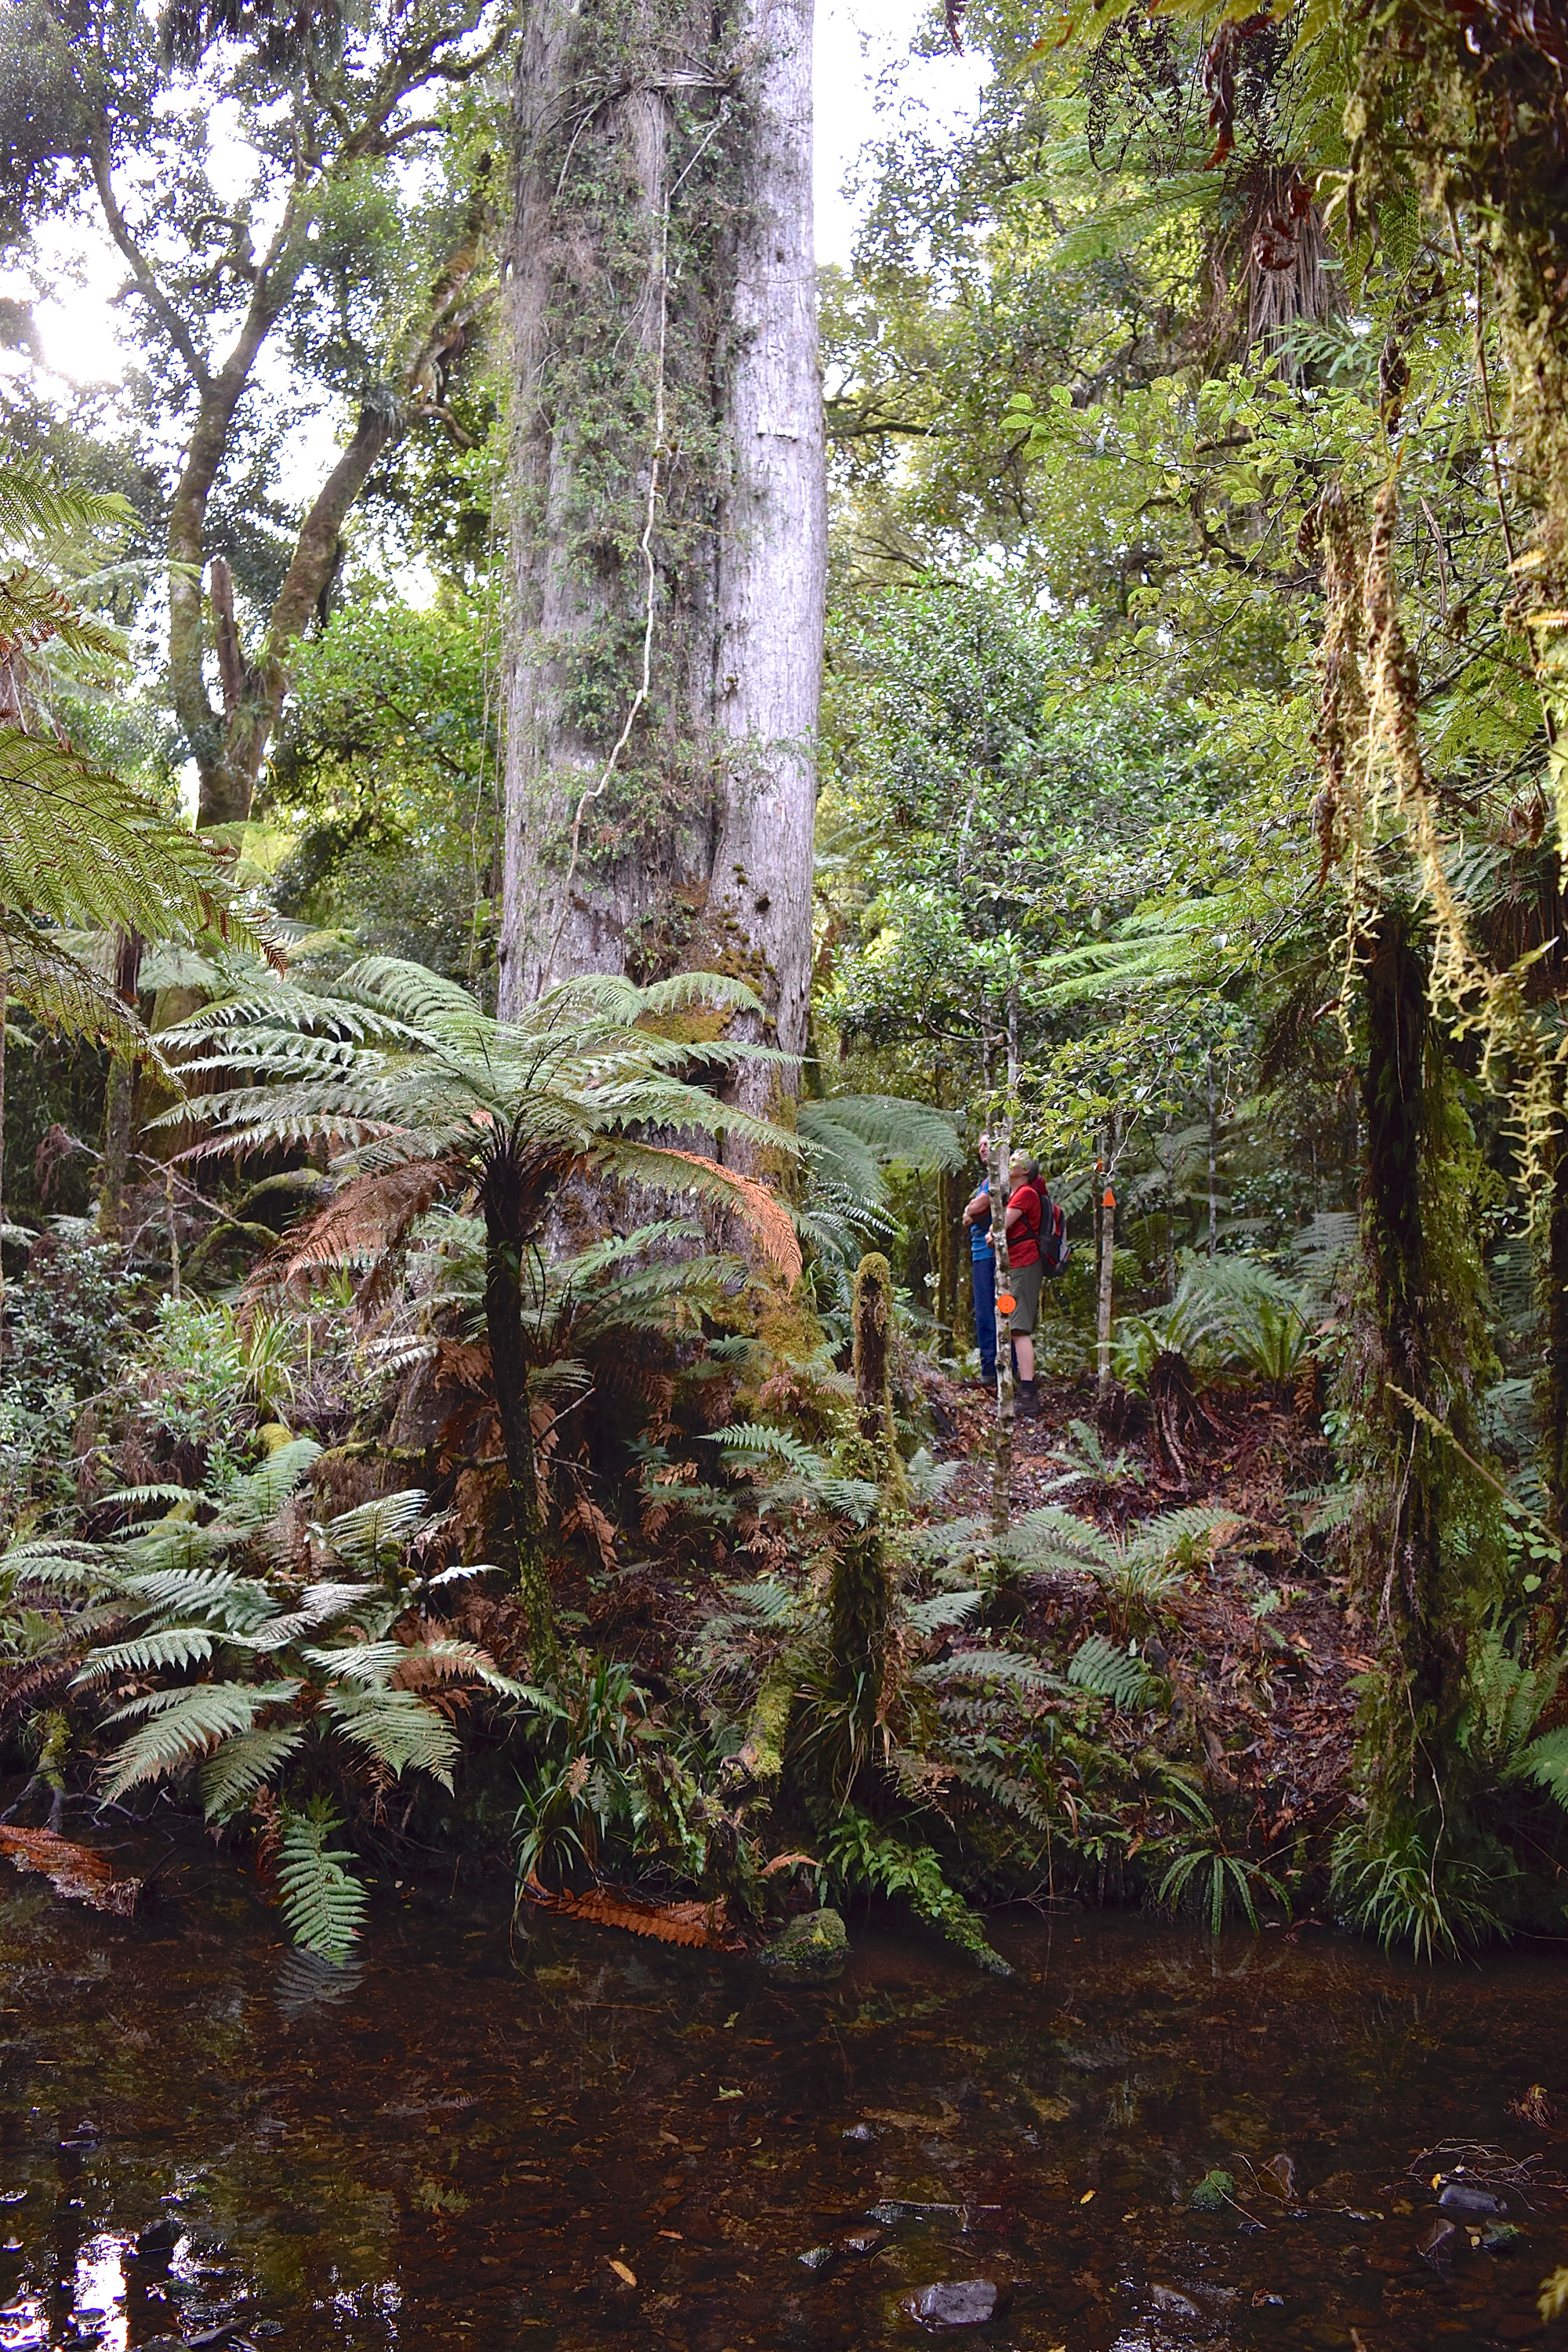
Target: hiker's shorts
(1025,1287)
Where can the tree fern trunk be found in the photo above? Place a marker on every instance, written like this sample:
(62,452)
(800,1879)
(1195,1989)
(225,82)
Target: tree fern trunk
(860,1594)
(504,1244)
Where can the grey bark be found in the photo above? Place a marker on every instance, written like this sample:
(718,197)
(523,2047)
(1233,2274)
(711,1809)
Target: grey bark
(661,819)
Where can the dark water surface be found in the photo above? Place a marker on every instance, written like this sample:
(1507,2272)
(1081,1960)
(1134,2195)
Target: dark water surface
(454,2146)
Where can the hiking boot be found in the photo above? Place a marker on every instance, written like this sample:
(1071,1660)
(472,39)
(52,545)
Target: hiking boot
(1028,1404)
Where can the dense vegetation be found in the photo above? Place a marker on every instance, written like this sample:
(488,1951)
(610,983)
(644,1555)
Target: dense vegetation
(548,1438)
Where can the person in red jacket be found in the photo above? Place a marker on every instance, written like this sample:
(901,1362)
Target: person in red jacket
(1025,1216)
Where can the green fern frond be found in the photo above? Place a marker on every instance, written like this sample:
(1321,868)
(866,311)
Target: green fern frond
(1004,1789)
(243,1764)
(323,1905)
(943,1610)
(1179,1531)
(1545,1761)
(319,1605)
(400,1730)
(757,1441)
(180,1726)
(1054,1539)
(366,1535)
(176,1647)
(1012,1669)
(1107,1671)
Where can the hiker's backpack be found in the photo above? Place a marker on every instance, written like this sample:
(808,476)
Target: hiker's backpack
(1055,1247)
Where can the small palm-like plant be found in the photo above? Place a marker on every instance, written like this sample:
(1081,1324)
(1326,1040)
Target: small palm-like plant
(425,1096)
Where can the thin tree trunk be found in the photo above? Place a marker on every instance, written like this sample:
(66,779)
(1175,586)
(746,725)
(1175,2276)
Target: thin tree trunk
(859,1595)
(3,1303)
(120,1108)
(952,1250)
(1170,1159)
(1001,1475)
(1107,1274)
(1553,1292)
(1214,1192)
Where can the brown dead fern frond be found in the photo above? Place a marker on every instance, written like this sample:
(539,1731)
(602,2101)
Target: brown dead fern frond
(366,1224)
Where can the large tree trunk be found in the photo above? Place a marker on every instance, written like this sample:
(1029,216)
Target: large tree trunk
(668,503)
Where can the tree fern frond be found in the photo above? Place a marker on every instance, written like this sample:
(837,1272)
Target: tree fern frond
(1053,1539)
(1014,1669)
(370,1663)
(1183,1530)
(319,1604)
(1545,1761)
(758,1440)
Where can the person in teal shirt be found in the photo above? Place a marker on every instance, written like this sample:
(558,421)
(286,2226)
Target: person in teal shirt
(983,1269)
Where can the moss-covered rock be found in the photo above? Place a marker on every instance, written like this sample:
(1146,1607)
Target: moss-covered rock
(813,1947)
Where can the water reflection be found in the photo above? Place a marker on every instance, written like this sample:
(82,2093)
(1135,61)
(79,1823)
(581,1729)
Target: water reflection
(581,2141)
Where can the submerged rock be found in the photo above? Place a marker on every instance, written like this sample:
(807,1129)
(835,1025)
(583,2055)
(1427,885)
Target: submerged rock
(861,2132)
(1171,2301)
(813,1946)
(1461,2196)
(955,2302)
(1438,2243)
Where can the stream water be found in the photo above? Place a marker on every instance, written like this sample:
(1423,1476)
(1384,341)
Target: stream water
(567,2138)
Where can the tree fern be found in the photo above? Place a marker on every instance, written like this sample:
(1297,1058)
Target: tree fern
(323,1905)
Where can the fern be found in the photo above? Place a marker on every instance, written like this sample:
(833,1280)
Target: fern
(1545,1761)
(1013,1669)
(364,1536)
(1006,1789)
(1107,1671)
(943,1610)
(182,1725)
(400,1730)
(323,1905)
(245,1762)
(177,1646)
(758,1440)
(859,1853)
